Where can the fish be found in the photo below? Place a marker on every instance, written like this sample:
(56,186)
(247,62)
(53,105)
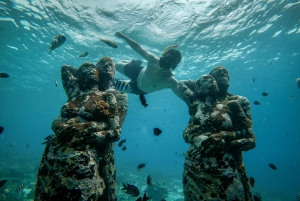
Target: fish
(292,96)
(143,99)
(121,142)
(144,198)
(57,42)
(27,145)
(48,138)
(257,197)
(2,182)
(253,80)
(163,200)
(56,83)
(12,144)
(273,166)
(20,187)
(109,43)
(140,166)
(1,129)
(265,94)
(157,131)
(149,181)
(4,75)
(252,181)
(124,148)
(298,82)
(256,103)
(83,54)
(298,196)
(122,85)
(131,190)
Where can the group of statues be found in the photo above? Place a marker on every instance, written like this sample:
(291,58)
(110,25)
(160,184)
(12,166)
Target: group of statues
(78,162)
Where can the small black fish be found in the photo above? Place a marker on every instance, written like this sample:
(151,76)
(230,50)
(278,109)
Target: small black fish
(48,138)
(273,166)
(56,83)
(257,197)
(57,42)
(143,99)
(163,200)
(256,103)
(149,181)
(252,181)
(121,142)
(144,198)
(2,182)
(140,166)
(4,75)
(131,190)
(109,43)
(27,145)
(20,187)
(265,94)
(124,148)
(157,131)
(83,54)
(1,129)
(253,80)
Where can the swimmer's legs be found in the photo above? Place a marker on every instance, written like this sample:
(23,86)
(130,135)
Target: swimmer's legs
(120,66)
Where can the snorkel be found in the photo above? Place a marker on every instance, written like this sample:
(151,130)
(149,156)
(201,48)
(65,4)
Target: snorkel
(162,67)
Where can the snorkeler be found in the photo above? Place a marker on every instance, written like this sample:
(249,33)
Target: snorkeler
(158,73)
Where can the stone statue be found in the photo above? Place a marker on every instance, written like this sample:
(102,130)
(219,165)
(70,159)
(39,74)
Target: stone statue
(78,162)
(219,129)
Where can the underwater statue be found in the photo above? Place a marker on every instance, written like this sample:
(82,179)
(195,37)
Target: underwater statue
(78,162)
(219,130)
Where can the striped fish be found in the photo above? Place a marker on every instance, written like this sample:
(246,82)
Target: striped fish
(58,41)
(122,85)
(131,190)
(109,43)
(20,187)
(48,138)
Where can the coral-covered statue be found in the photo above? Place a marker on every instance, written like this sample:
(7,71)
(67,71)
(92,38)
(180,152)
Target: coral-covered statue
(220,128)
(78,162)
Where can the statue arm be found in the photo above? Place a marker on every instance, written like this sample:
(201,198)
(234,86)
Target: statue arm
(68,76)
(191,84)
(120,103)
(186,94)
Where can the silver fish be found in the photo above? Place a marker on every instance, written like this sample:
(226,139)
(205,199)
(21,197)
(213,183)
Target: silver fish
(56,83)
(122,85)
(57,42)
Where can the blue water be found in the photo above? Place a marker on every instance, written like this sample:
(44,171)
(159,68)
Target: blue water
(253,39)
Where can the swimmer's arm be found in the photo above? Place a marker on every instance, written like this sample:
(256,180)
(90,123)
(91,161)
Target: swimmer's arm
(174,85)
(136,47)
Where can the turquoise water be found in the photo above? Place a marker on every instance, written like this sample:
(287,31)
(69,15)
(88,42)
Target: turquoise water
(253,39)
